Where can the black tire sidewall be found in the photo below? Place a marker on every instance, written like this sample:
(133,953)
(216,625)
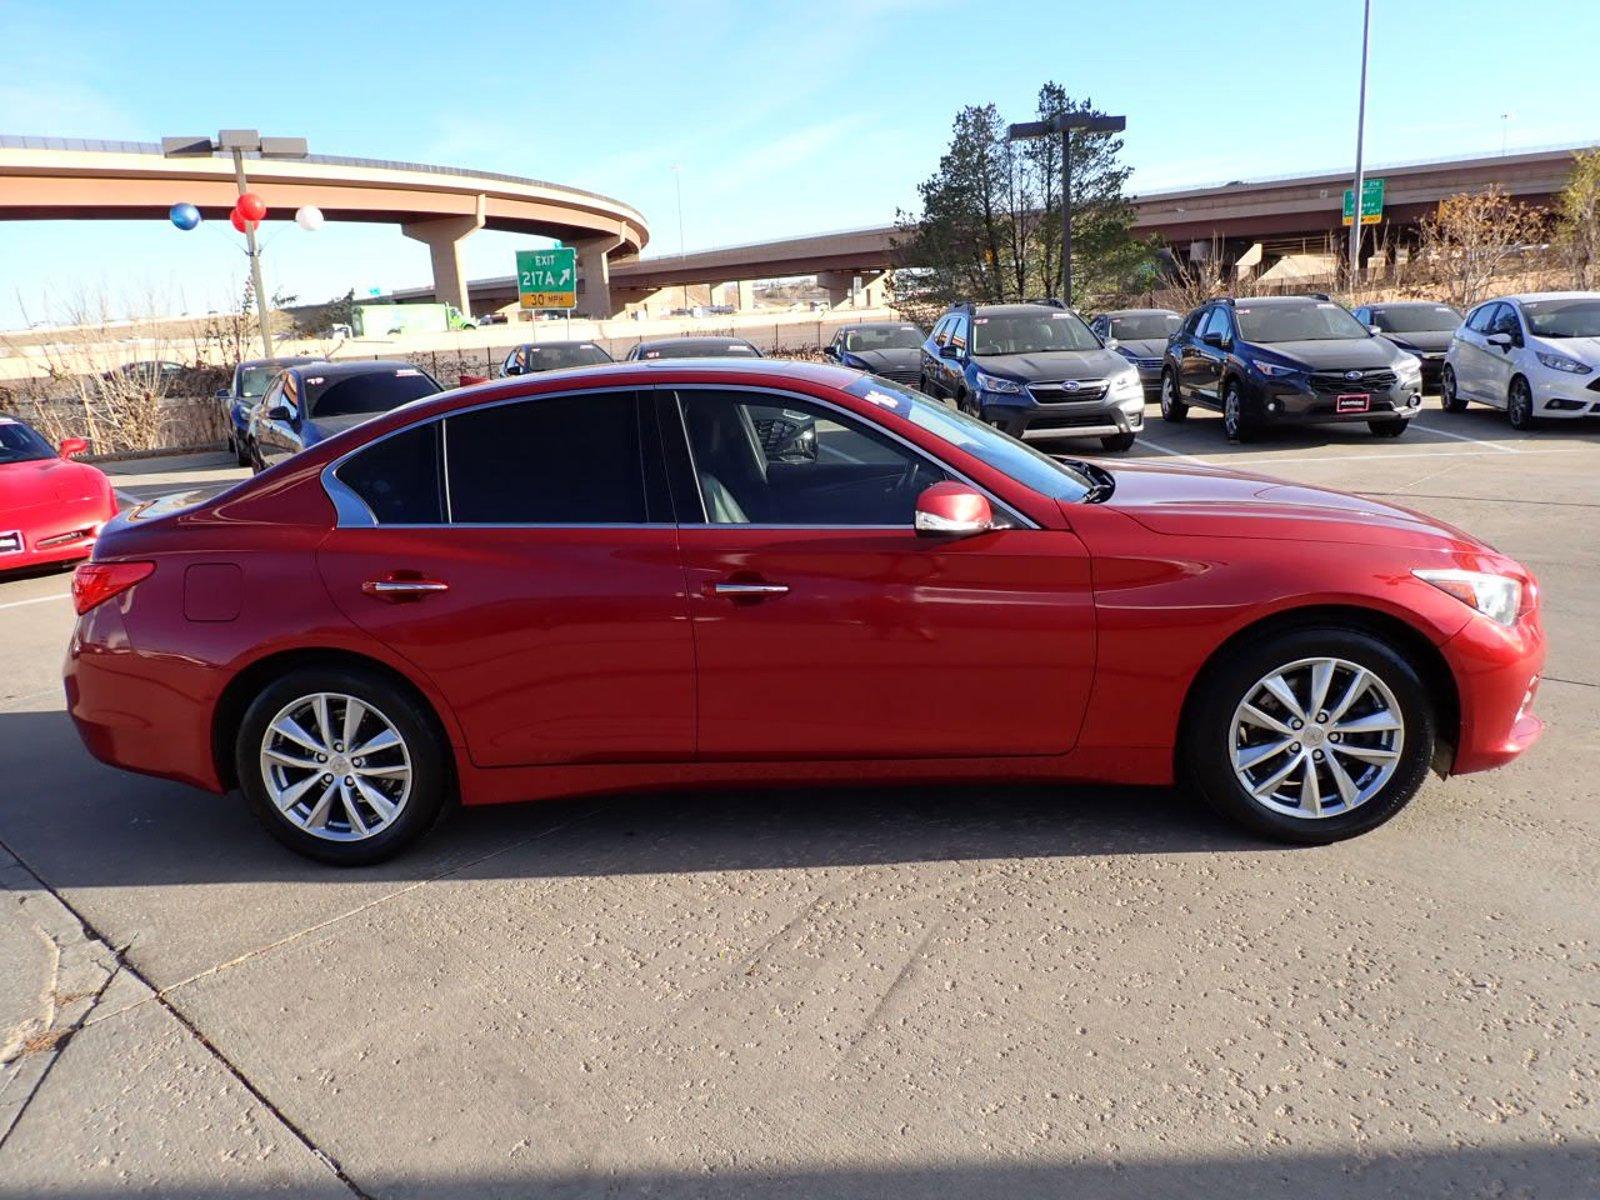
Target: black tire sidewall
(1242,430)
(1525,421)
(430,775)
(1222,687)
(1118,442)
(1172,408)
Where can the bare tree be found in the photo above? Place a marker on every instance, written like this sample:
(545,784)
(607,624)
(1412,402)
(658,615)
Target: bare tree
(1474,239)
(1578,219)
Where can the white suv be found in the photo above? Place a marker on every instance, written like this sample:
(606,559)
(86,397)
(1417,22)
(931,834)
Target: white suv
(1535,356)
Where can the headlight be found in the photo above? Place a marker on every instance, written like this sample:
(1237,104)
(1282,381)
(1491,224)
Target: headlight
(1560,362)
(1498,597)
(1409,368)
(994,383)
(1272,370)
(1127,382)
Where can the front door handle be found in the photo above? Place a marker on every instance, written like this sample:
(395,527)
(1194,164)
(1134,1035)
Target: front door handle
(746,591)
(403,589)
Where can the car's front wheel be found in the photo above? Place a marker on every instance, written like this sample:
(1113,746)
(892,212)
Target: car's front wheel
(1118,442)
(1312,735)
(341,764)
(1519,405)
(1234,421)
(1172,408)
(1449,393)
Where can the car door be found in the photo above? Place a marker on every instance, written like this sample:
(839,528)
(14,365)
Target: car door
(278,436)
(932,367)
(1471,357)
(1202,363)
(1500,361)
(825,627)
(534,578)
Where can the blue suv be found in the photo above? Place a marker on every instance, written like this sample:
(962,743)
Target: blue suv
(1035,370)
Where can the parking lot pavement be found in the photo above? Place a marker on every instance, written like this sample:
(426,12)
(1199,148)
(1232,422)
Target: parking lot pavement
(970,992)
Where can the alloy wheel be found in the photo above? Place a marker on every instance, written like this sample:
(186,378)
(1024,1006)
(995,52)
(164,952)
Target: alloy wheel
(1316,738)
(1519,409)
(335,767)
(1230,413)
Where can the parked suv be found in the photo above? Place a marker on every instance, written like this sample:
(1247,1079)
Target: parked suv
(1140,336)
(1536,356)
(1034,370)
(1287,360)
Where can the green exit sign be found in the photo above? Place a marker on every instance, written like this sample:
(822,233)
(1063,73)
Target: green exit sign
(1371,202)
(548,278)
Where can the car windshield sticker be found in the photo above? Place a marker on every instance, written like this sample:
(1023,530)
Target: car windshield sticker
(1325,304)
(7,421)
(652,354)
(895,404)
(739,349)
(311,382)
(1059,316)
(980,320)
(406,371)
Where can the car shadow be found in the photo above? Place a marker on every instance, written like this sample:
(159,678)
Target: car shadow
(77,822)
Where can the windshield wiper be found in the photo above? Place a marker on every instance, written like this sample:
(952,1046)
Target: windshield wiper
(1101,481)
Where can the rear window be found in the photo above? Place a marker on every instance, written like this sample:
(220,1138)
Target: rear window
(349,395)
(1140,327)
(883,337)
(1416,318)
(552,358)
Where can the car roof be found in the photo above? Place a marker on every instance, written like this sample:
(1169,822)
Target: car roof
(1139,312)
(1012,310)
(1406,304)
(551,345)
(1523,296)
(875,324)
(293,360)
(1274,300)
(344,370)
(654,343)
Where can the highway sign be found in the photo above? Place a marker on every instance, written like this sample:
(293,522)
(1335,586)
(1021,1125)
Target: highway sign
(548,278)
(1371,202)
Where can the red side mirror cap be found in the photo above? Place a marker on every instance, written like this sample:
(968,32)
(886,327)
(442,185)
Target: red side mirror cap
(951,509)
(72,447)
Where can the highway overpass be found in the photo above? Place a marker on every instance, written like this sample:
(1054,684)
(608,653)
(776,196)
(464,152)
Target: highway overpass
(55,179)
(1305,207)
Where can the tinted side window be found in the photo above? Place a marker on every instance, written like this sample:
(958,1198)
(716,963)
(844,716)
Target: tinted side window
(1505,321)
(399,477)
(958,333)
(1478,322)
(1216,322)
(566,460)
(941,331)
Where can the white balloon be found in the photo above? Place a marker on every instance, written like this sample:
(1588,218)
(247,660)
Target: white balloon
(308,217)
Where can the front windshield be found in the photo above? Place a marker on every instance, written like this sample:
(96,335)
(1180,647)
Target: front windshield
(19,443)
(883,337)
(984,442)
(1031,333)
(253,381)
(1416,318)
(1313,321)
(373,393)
(1578,317)
(550,358)
(1145,327)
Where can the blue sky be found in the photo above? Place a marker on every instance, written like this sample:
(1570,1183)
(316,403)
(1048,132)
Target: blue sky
(785,118)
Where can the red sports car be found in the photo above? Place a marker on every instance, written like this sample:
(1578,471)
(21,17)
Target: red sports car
(51,508)
(597,579)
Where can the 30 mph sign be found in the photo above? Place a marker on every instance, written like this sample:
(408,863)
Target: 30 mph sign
(547,278)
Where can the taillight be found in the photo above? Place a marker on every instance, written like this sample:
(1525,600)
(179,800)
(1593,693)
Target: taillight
(94,583)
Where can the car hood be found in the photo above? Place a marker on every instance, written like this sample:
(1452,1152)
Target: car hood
(1195,500)
(47,481)
(1053,364)
(888,360)
(1335,354)
(1145,347)
(1429,341)
(1584,349)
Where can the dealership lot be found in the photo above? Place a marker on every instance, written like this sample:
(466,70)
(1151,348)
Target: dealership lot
(975,991)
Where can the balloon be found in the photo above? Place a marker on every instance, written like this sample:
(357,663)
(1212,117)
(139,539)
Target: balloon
(239,221)
(308,217)
(184,215)
(252,206)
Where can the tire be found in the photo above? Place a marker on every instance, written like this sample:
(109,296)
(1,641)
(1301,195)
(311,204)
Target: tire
(1519,406)
(416,797)
(1215,727)
(1118,442)
(1387,429)
(1172,408)
(240,455)
(1449,397)
(1235,423)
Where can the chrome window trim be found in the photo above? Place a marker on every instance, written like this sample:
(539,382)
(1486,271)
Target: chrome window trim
(917,451)
(352,512)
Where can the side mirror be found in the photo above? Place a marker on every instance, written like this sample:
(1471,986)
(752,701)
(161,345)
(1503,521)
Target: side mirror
(1373,329)
(1503,340)
(280,412)
(224,393)
(1212,339)
(951,509)
(72,447)
(949,350)
(1112,343)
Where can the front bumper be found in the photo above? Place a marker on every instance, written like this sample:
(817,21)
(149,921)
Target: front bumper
(41,538)
(1024,417)
(1563,397)
(1295,402)
(1497,675)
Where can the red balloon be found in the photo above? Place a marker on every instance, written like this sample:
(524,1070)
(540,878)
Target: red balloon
(239,221)
(252,206)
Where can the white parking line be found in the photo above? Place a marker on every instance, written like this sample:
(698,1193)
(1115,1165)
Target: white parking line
(1461,437)
(36,600)
(1266,461)
(1159,448)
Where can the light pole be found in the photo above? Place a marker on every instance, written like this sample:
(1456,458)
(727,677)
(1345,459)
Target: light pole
(1064,124)
(677,177)
(238,142)
(1361,125)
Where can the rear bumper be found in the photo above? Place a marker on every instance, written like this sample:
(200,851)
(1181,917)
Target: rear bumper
(1497,677)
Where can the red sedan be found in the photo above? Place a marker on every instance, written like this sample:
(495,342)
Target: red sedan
(599,579)
(51,508)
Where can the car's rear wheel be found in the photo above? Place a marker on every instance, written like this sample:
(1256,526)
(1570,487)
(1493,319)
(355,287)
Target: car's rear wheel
(1235,423)
(1118,442)
(1313,735)
(1390,428)
(240,454)
(1172,408)
(340,764)
(1519,405)
(1449,396)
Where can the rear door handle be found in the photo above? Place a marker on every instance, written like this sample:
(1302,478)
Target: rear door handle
(738,591)
(403,589)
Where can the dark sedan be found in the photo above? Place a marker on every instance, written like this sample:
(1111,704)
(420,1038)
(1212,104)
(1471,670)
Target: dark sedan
(1420,327)
(892,349)
(693,347)
(310,403)
(533,357)
(250,382)
(1140,336)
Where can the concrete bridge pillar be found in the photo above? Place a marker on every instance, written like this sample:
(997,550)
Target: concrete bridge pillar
(843,292)
(443,237)
(747,295)
(594,272)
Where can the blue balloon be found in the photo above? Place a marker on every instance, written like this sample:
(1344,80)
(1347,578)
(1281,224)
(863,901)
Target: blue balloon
(185,215)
